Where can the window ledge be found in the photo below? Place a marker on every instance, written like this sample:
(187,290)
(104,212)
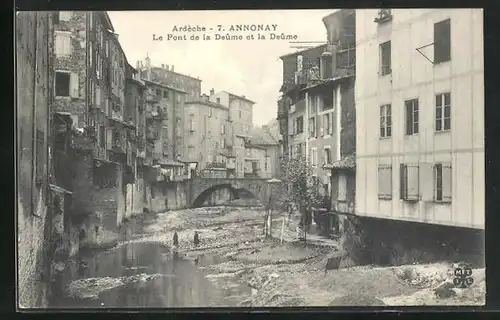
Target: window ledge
(385,197)
(442,131)
(385,138)
(441,62)
(446,202)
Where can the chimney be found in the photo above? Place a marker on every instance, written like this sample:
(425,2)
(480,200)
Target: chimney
(138,66)
(166,67)
(162,66)
(148,68)
(172,69)
(212,91)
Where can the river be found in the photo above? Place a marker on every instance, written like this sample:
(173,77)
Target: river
(137,275)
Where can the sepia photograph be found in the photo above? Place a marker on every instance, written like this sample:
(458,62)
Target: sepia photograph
(250,158)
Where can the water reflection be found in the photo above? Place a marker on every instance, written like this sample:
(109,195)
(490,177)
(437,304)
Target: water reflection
(176,282)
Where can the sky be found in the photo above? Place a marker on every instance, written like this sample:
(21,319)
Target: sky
(244,67)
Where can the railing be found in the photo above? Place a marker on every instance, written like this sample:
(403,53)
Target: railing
(81,142)
(118,146)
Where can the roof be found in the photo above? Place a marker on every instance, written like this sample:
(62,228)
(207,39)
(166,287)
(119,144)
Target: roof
(346,163)
(238,96)
(326,82)
(177,73)
(262,136)
(138,82)
(302,51)
(149,82)
(207,103)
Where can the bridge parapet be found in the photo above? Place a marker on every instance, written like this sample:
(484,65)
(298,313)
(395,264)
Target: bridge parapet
(203,186)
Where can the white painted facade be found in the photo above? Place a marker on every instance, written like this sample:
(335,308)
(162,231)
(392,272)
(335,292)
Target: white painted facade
(415,77)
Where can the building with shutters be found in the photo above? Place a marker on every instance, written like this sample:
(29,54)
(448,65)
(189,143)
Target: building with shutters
(166,75)
(420,72)
(209,137)
(90,88)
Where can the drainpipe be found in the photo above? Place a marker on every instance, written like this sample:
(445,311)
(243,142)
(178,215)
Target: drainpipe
(306,126)
(33,143)
(338,119)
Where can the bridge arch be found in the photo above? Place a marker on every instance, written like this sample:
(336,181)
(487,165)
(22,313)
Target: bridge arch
(202,188)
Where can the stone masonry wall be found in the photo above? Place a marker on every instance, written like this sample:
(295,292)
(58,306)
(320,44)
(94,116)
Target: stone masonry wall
(75,63)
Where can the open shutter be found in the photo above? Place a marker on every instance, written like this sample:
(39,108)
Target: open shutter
(447,182)
(109,138)
(402,181)
(413,182)
(74,85)
(331,122)
(426,172)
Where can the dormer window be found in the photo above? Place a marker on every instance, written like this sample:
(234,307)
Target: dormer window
(384,15)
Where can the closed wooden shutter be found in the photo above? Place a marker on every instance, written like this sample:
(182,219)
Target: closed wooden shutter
(109,138)
(74,85)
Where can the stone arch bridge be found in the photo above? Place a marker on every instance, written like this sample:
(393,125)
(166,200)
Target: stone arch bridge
(201,188)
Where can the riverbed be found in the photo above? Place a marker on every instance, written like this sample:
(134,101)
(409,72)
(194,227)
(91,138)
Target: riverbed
(234,266)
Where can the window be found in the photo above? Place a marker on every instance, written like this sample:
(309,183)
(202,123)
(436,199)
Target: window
(63,44)
(222,128)
(191,125)
(158,92)
(443,110)
(385,58)
(328,155)
(385,121)
(442,41)
(328,102)
(442,182)
(98,96)
(342,195)
(409,182)
(239,112)
(385,182)
(102,137)
(312,127)
(326,124)
(314,157)
(178,98)
(300,124)
(313,102)
(62,84)
(222,143)
(165,94)
(411,107)
(64,15)
(209,112)
(218,100)
(106,107)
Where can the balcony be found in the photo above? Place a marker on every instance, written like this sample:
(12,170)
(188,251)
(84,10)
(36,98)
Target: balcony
(118,146)
(151,97)
(83,142)
(216,165)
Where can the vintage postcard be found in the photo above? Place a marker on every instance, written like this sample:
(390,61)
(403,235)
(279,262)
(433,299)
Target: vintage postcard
(250,158)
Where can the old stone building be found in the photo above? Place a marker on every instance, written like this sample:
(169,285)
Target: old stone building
(34,77)
(90,68)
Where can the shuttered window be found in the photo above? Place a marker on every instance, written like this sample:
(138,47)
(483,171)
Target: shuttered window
(385,182)
(74,83)
(409,182)
(63,46)
(442,41)
(442,182)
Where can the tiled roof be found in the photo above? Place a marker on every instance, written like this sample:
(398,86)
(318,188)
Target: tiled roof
(346,163)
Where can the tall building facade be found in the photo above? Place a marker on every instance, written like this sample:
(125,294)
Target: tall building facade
(423,76)
(166,75)
(90,82)
(34,77)
(208,135)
